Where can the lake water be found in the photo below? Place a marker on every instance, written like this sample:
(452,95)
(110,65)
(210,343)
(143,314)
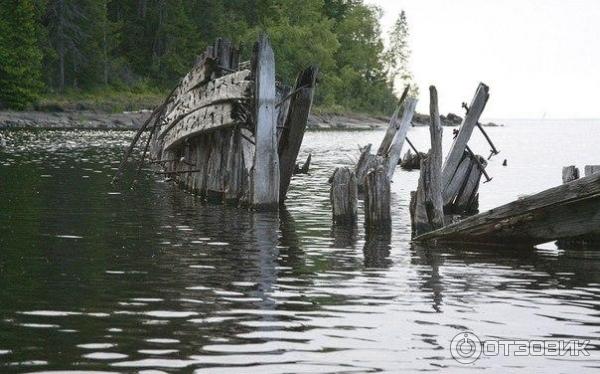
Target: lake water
(103,278)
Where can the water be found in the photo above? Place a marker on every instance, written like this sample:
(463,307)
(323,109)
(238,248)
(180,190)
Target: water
(95,277)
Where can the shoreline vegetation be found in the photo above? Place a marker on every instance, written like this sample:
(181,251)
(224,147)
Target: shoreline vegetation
(95,118)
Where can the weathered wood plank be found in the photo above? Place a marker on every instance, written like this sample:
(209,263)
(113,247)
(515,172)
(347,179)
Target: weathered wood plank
(394,153)
(591,169)
(466,199)
(570,173)
(295,126)
(456,182)
(231,87)
(265,178)
(568,210)
(344,195)
(207,118)
(434,192)
(427,212)
(377,200)
(457,150)
(393,126)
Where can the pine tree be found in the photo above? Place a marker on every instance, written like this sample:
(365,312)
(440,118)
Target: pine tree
(20,56)
(398,55)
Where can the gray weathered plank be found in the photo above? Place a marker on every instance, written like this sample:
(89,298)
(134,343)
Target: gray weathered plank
(570,173)
(457,150)
(265,178)
(591,169)
(427,212)
(232,87)
(295,126)
(206,118)
(394,153)
(393,126)
(568,210)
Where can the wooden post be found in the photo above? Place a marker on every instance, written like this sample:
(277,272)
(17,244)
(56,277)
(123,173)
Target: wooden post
(344,195)
(427,209)
(591,169)
(377,200)
(295,126)
(393,155)
(433,194)
(393,126)
(457,150)
(265,181)
(570,173)
(366,162)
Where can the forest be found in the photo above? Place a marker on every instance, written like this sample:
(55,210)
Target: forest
(70,48)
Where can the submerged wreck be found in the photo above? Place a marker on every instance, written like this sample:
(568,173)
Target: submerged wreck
(569,213)
(229,131)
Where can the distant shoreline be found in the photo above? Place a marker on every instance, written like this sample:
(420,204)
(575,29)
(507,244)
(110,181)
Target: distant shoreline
(98,120)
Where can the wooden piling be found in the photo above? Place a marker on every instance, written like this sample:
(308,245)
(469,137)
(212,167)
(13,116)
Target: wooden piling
(266,173)
(570,173)
(344,196)
(377,200)
(366,162)
(427,207)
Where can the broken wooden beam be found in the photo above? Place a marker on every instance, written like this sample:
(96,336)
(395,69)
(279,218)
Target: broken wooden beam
(295,126)
(266,173)
(344,196)
(393,126)
(393,154)
(427,209)
(565,211)
(457,150)
(305,167)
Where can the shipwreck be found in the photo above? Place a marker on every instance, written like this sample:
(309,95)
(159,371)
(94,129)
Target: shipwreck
(230,131)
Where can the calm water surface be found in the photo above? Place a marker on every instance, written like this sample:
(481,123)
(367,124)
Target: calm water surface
(96,277)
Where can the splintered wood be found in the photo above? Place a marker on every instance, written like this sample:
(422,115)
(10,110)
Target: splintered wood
(229,132)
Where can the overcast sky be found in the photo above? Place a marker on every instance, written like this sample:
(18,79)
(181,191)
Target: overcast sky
(539,57)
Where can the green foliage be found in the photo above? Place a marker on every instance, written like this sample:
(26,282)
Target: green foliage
(20,56)
(398,55)
(98,47)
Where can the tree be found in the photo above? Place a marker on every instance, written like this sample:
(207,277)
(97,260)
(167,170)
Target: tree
(398,54)
(20,55)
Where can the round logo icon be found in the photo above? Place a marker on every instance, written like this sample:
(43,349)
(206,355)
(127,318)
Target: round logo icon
(465,347)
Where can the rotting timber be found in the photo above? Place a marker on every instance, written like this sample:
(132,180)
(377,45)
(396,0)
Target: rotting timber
(562,212)
(229,131)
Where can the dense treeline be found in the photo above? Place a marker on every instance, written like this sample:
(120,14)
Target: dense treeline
(49,46)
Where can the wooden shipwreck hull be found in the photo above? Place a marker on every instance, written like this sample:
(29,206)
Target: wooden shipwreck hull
(567,211)
(229,131)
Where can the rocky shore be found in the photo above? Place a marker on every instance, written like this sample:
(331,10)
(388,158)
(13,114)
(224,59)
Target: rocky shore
(133,120)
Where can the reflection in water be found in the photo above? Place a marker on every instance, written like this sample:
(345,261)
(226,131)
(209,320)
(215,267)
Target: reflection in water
(377,249)
(95,277)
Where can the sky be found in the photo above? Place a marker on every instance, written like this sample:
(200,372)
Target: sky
(540,58)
